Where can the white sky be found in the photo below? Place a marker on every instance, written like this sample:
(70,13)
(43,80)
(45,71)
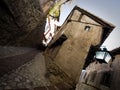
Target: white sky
(105,9)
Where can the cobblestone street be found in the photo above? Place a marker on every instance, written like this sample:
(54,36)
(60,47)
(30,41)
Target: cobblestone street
(29,75)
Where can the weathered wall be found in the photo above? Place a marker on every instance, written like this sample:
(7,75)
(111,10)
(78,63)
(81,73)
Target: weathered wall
(85,87)
(96,76)
(93,77)
(20,19)
(115,84)
(71,55)
(74,50)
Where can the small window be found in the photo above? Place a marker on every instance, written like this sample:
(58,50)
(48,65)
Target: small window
(87,28)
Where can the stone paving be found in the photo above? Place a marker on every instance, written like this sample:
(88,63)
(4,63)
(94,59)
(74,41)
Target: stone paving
(29,75)
(8,51)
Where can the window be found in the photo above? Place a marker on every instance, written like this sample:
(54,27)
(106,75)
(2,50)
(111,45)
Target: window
(87,28)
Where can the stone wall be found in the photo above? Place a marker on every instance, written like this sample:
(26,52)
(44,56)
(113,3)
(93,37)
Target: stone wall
(18,18)
(116,73)
(75,49)
(95,76)
(101,76)
(71,54)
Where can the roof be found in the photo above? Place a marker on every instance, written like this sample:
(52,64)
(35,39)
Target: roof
(96,18)
(108,27)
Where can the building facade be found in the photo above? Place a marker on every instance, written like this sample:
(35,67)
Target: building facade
(82,30)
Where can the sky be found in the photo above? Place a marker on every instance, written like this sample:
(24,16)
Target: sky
(105,9)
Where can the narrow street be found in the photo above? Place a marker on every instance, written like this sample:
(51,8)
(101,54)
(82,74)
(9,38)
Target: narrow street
(59,45)
(25,70)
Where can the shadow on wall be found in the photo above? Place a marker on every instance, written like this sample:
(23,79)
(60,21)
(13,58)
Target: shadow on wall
(22,25)
(59,41)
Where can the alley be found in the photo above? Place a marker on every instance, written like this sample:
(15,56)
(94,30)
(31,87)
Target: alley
(26,70)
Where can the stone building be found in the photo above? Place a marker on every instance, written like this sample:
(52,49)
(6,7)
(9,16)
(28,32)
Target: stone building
(101,76)
(22,24)
(69,49)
